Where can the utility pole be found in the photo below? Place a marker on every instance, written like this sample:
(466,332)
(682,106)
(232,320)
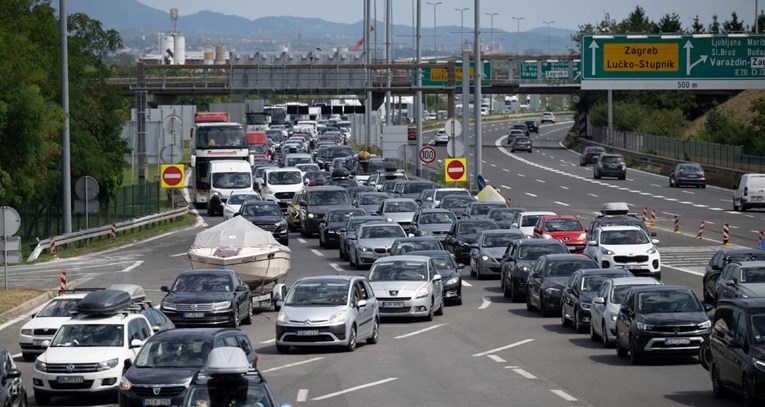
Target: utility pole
(388,56)
(435,25)
(466,97)
(418,94)
(368,61)
(518,20)
(477,93)
(756,17)
(462,23)
(491,32)
(548,34)
(66,165)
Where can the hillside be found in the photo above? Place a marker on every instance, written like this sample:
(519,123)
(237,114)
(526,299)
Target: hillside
(738,106)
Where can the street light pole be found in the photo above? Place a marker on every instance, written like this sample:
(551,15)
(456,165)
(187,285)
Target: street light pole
(435,25)
(66,171)
(548,34)
(518,20)
(462,23)
(491,33)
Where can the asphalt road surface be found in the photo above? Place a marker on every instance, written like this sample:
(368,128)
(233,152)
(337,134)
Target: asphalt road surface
(487,352)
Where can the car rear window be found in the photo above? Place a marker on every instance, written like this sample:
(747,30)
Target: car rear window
(563,225)
(612,159)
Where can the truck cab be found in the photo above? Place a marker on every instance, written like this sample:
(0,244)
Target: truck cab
(258,144)
(226,176)
(280,185)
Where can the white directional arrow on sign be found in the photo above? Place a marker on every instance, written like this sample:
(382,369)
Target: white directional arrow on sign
(688,65)
(594,47)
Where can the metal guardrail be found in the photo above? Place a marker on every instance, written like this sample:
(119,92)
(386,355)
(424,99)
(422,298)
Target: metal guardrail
(104,230)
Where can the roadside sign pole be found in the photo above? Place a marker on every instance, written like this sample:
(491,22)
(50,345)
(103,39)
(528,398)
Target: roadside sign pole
(466,93)
(477,98)
(418,95)
(610,115)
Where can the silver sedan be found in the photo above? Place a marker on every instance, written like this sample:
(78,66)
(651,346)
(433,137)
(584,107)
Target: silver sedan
(407,286)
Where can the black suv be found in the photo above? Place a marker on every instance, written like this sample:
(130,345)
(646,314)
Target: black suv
(169,360)
(532,125)
(548,278)
(744,279)
(333,221)
(718,261)
(315,204)
(660,320)
(518,260)
(737,349)
(462,234)
(268,216)
(582,287)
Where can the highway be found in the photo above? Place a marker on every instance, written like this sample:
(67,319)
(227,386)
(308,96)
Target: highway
(487,352)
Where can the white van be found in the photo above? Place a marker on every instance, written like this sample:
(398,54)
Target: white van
(226,176)
(280,185)
(310,124)
(749,192)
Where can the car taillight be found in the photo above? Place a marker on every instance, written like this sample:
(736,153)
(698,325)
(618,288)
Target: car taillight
(702,175)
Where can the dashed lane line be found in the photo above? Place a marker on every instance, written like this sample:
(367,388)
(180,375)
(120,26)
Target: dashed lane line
(178,255)
(268,341)
(363,386)
(485,303)
(523,373)
(302,395)
(564,187)
(316,252)
(565,396)
(302,362)
(496,358)
(337,267)
(505,170)
(530,194)
(512,345)
(593,195)
(132,266)
(466,284)
(301,240)
(562,203)
(419,332)
(506,187)
(541,181)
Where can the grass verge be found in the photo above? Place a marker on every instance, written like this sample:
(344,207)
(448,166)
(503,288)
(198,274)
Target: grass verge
(12,297)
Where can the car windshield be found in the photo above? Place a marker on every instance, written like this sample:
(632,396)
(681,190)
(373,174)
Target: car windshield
(444,262)
(318,293)
(317,175)
(339,152)
(612,159)
(437,218)
(231,180)
(261,209)
(220,137)
(372,199)
(195,282)
(341,216)
(399,271)
(89,335)
(618,237)
(593,283)
(521,140)
(440,194)
(416,187)
(59,308)
(400,206)
(529,220)
(752,275)
(238,199)
(174,352)
(345,183)
(415,245)
(481,209)
(293,161)
(533,252)
(500,240)
(667,301)
(563,225)
(284,178)
(691,168)
(595,150)
(473,228)
(325,198)
(568,267)
(228,391)
(382,232)
(308,167)
(501,215)
(457,202)
(758,328)
(618,292)
(259,172)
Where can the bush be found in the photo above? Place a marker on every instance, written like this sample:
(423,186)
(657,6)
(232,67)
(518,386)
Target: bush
(669,123)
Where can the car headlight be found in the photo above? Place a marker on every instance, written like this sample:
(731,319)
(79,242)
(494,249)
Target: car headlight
(606,251)
(552,291)
(337,318)
(168,305)
(422,233)
(453,280)
(311,216)
(759,364)
(546,236)
(125,384)
(705,325)
(422,292)
(41,366)
(652,250)
(282,317)
(107,364)
(221,305)
(582,236)
(28,332)
(365,249)
(280,223)
(463,243)
(389,219)
(585,305)
(485,258)
(613,318)
(269,191)
(644,327)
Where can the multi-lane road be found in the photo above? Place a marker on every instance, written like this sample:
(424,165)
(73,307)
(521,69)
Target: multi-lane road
(487,352)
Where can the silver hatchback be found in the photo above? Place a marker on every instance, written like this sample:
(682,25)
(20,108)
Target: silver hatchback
(328,311)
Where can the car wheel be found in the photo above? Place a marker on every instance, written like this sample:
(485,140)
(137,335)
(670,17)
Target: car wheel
(512,151)
(749,392)
(577,322)
(593,335)
(564,322)
(581,163)
(375,333)
(623,177)
(248,319)
(718,390)
(357,263)
(736,208)
(28,357)
(704,186)
(671,183)
(506,291)
(604,336)
(543,307)
(595,175)
(351,346)
(42,397)
(440,310)
(529,306)
(235,321)
(350,260)
(283,348)
(517,296)
(321,240)
(429,317)
(635,357)
(705,355)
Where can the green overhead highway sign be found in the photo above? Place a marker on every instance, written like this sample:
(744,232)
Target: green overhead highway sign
(551,70)
(439,75)
(734,61)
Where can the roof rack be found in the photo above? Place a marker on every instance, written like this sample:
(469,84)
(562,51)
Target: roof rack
(614,208)
(136,292)
(79,290)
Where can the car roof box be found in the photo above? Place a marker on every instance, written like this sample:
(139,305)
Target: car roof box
(104,302)
(614,208)
(136,292)
(226,361)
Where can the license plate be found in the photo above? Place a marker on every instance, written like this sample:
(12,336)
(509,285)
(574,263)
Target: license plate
(393,304)
(157,402)
(193,314)
(313,332)
(677,341)
(633,266)
(69,379)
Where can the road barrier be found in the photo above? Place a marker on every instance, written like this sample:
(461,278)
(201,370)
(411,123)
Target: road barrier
(645,214)
(52,245)
(701,229)
(62,282)
(726,234)
(653,218)
(113,233)
(760,236)
(677,224)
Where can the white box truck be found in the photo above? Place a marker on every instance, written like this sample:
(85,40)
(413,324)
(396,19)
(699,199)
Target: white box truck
(226,176)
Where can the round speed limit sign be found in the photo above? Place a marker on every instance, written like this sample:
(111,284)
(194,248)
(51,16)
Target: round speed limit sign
(427,154)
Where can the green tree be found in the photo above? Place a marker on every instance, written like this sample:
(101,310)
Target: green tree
(668,123)
(669,23)
(697,27)
(733,25)
(637,22)
(761,23)
(714,26)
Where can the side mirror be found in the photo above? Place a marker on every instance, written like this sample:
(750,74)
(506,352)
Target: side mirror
(592,243)
(624,309)
(437,277)
(342,230)
(513,225)
(155,328)
(653,233)
(655,241)
(241,288)
(45,344)
(716,267)
(128,363)
(12,373)
(279,303)
(136,343)
(708,307)
(599,300)
(236,214)
(474,245)
(734,343)
(429,199)
(302,202)
(460,266)
(164,289)
(361,303)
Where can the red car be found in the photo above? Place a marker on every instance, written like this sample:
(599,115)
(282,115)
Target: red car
(565,228)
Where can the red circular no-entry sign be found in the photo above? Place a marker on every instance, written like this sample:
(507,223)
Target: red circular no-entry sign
(172,176)
(455,170)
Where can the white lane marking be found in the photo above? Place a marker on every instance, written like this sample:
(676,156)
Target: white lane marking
(709,222)
(668,213)
(505,170)
(496,358)
(268,341)
(511,367)
(336,267)
(466,284)
(494,165)
(686,203)
(273,369)
(733,227)
(563,187)
(485,304)
(318,253)
(21,317)
(512,345)
(302,395)
(565,396)
(363,386)
(732,213)
(593,195)
(749,216)
(178,255)
(700,206)
(524,374)
(725,200)
(688,192)
(301,240)
(418,332)
(483,161)
(530,194)
(656,185)
(506,187)
(132,266)
(562,203)
(541,181)
(520,175)
(696,273)
(18,355)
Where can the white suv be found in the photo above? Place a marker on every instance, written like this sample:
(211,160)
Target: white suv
(45,323)
(88,353)
(625,246)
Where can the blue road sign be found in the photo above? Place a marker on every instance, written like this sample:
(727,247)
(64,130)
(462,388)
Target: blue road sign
(481,182)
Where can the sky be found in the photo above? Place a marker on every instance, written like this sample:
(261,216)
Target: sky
(564,13)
